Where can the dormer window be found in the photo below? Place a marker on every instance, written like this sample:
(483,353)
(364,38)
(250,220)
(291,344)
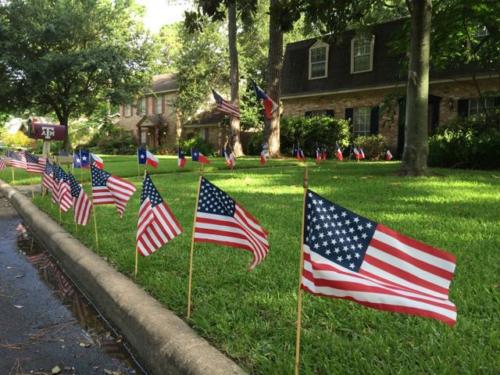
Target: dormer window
(362,54)
(318,60)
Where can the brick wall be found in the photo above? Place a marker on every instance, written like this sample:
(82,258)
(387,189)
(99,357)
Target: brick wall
(449,92)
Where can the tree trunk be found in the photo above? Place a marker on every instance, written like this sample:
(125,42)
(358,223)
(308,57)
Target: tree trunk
(416,147)
(274,66)
(234,77)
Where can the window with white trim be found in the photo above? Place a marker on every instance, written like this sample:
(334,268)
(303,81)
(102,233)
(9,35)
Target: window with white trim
(159,104)
(362,54)
(361,121)
(318,60)
(477,107)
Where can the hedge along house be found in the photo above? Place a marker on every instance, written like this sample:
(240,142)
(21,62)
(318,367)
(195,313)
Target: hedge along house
(154,120)
(361,79)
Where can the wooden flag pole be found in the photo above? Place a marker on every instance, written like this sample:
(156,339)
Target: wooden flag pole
(95,226)
(301,267)
(136,266)
(192,247)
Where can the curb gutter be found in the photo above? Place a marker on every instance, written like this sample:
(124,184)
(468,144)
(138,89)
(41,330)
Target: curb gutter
(165,343)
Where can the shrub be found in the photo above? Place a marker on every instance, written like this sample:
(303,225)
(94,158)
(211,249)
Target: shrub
(199,143)
(374,146)
(18,139)
(313,132)
(117,142)
(254,145)
(473,142)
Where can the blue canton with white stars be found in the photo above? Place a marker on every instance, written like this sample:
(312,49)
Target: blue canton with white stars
(336,233)
(48,168)
(31,158)
(149,191)
(74,186)
(99,177)
(213,200)
(59,174)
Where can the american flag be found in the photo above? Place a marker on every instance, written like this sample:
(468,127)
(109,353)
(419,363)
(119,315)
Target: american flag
(33,163)
(157,225)
(16,159)
(264,154)
(108,189)
(62,192)
(348,256)
(3,164)
(47,178)
(81,202)
(220,220)
(224,106)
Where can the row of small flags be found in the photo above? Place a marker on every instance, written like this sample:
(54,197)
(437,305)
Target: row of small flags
(345,254)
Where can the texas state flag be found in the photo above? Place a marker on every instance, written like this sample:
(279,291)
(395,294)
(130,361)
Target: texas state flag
(85,158)
(269,105)
(199,157)
(97,161)
(141,155)
(151,159)
(338,153)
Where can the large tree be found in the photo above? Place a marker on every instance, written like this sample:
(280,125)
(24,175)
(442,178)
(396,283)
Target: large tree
(416,148)
(67,56)
(236,9)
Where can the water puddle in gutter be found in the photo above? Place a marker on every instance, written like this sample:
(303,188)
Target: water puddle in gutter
(87,344)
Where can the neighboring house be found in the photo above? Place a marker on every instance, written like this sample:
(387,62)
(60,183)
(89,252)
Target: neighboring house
(154,121)
(360,79)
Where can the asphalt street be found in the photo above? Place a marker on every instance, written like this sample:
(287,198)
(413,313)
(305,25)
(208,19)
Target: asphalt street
(46,325)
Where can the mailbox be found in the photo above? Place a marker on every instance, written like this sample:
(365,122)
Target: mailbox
(48,132)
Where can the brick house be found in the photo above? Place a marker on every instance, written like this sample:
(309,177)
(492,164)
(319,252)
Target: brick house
(154,121)
(359,78)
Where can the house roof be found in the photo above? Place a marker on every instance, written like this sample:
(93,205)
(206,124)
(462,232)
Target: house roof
(389,68)
(165,82)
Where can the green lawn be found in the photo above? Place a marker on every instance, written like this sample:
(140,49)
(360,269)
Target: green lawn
(251,316)
(126,166)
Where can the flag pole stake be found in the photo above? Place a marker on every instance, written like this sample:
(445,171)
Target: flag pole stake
(60,215)
(192,248)
(136,266)
(95,226)
(13,175)
(301,267)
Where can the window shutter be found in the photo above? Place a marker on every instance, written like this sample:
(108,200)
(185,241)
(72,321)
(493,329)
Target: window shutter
(496,101)
(374,120)
(330,112)
(349,114)
(463,107)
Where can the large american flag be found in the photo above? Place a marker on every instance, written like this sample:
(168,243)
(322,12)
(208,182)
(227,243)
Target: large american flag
(157,225)
(224,106)
(62,192)
(348,256)
(34,164)
(16,159)
(81,202)
(108,189)
(219,219)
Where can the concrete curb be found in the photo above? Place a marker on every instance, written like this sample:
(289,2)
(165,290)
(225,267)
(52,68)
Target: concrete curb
(165,343)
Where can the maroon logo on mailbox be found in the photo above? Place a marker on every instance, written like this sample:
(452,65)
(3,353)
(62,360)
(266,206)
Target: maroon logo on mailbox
(48,132)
